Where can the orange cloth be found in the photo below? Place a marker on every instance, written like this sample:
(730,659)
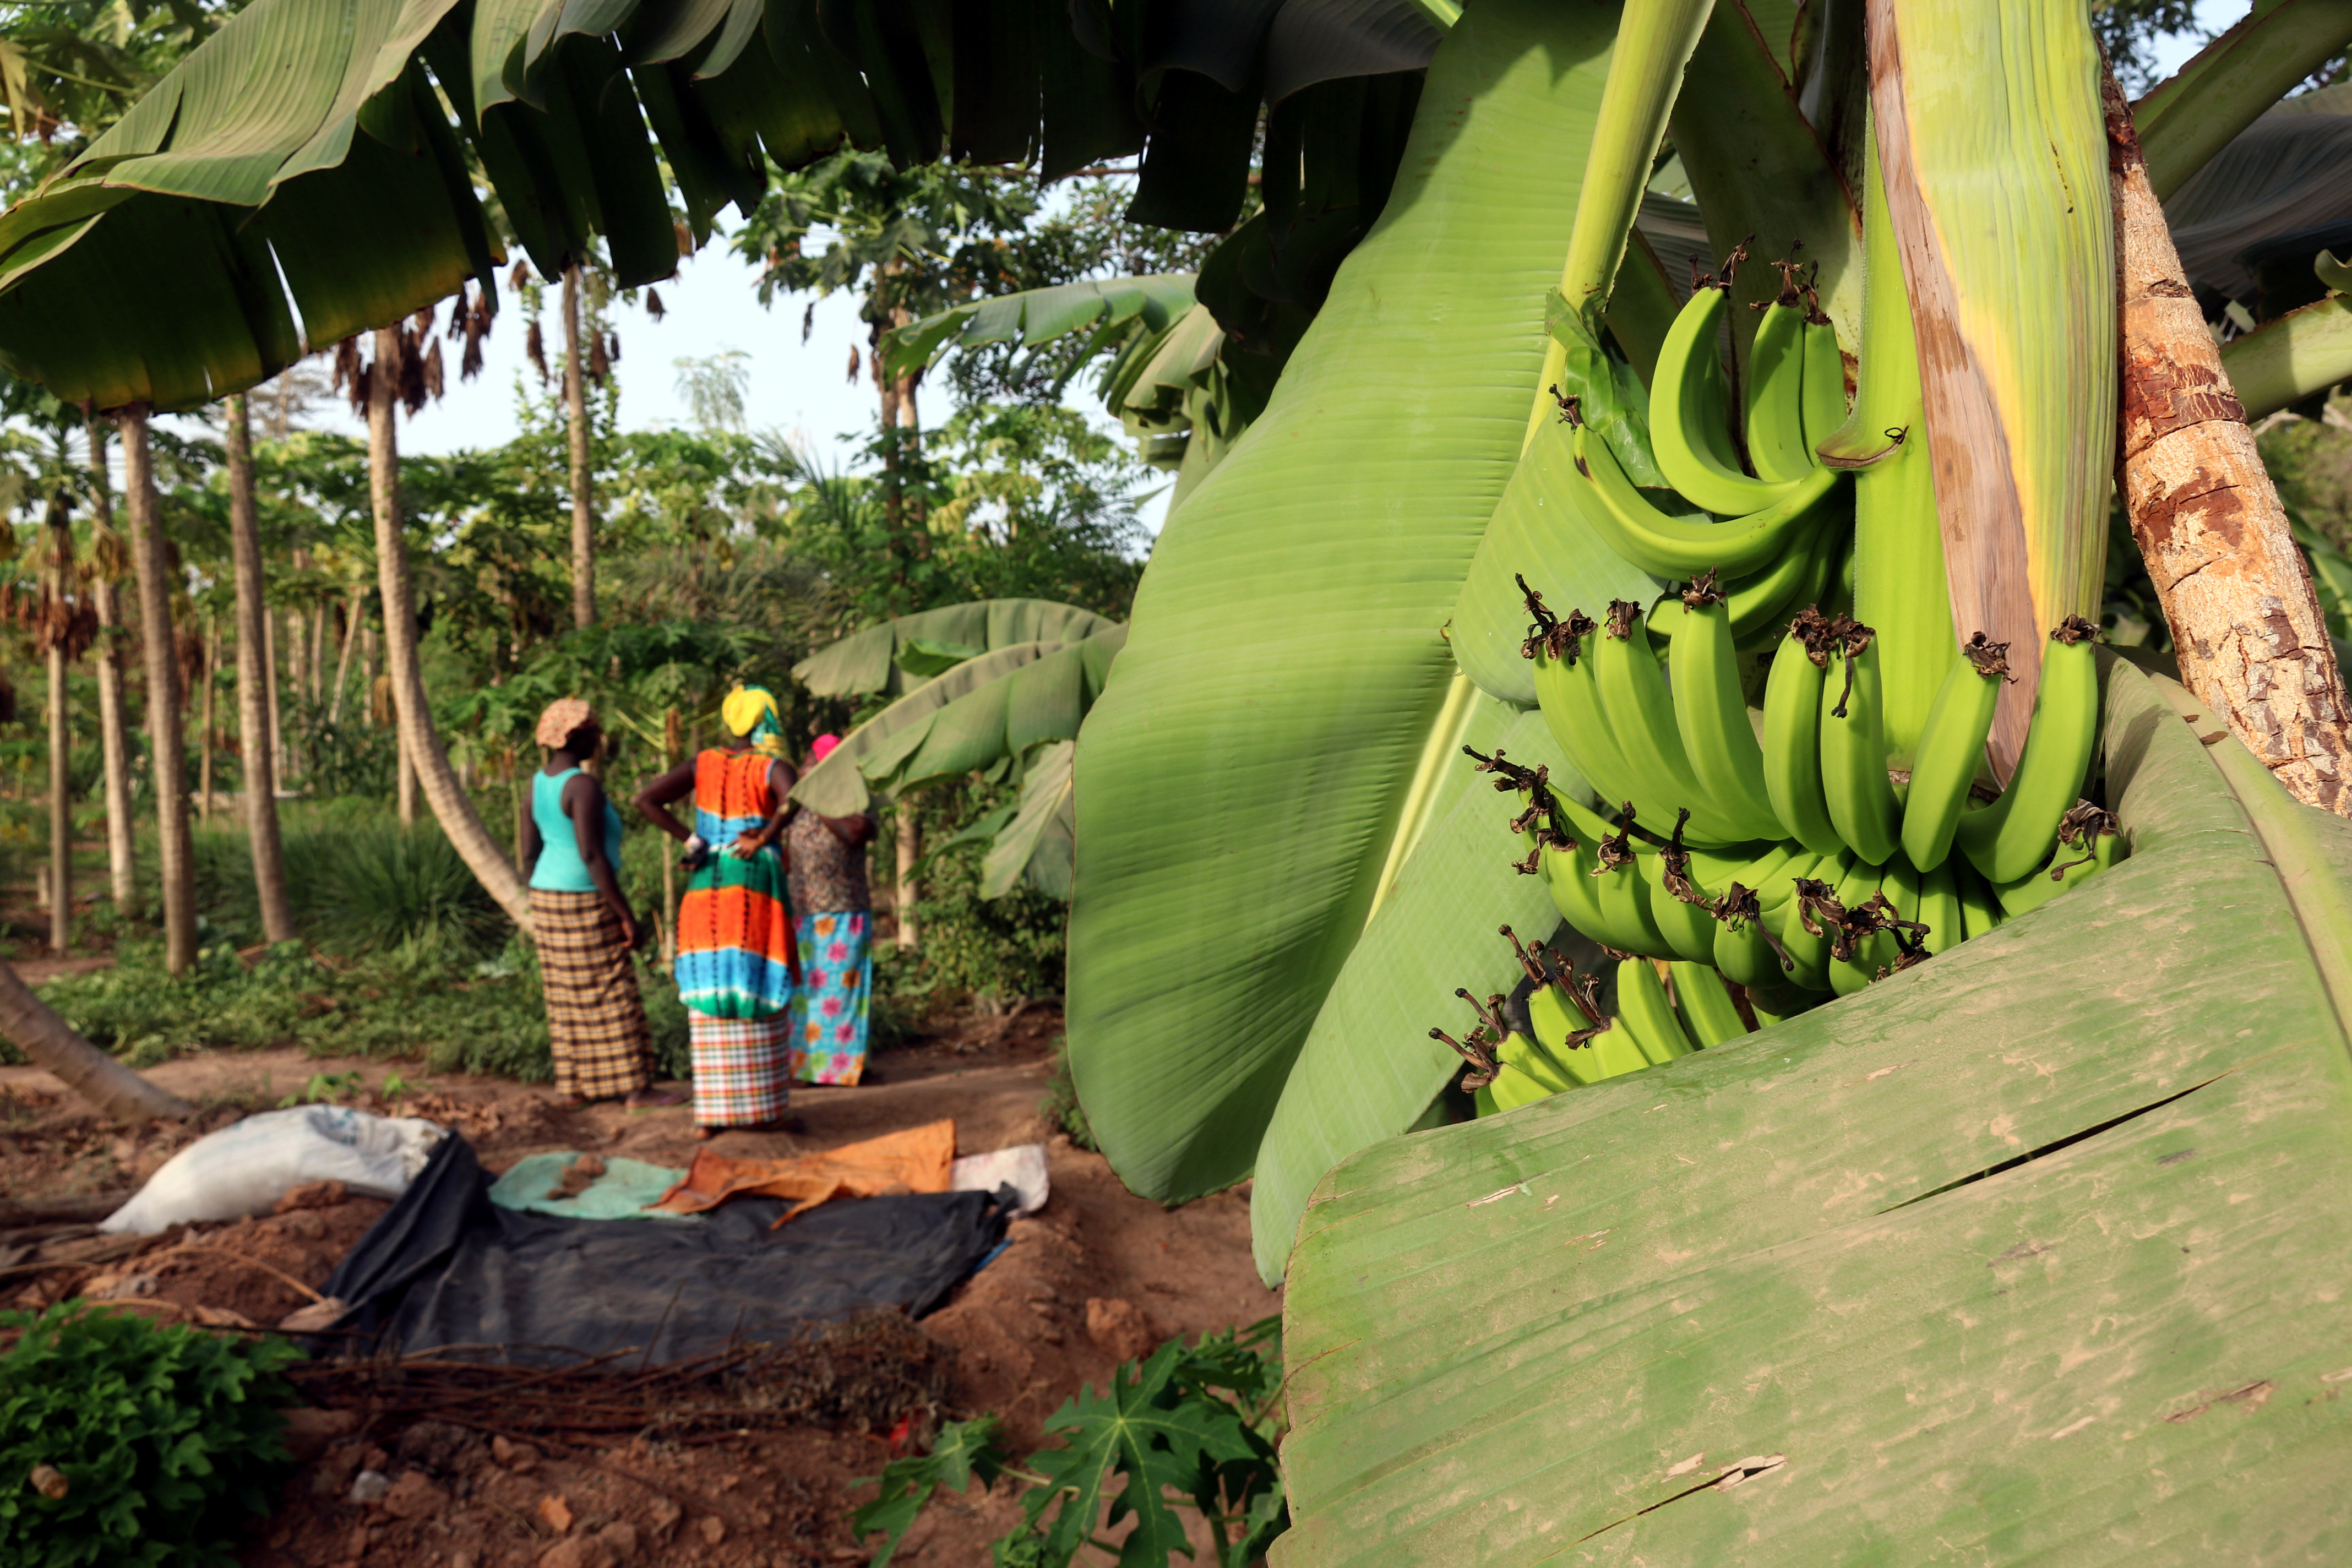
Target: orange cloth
(915,1160)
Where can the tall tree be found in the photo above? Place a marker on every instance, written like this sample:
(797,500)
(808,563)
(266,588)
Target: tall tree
(170,758)
(58,590)
(252,688)
(113,718)
(380,385)
(583,498)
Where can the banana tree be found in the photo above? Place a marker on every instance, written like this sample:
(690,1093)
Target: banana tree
(1006,705)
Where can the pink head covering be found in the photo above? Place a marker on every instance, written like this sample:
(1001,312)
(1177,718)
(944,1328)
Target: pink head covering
(823,746)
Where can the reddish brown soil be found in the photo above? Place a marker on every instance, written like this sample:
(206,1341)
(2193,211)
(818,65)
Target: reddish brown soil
(1016,1336)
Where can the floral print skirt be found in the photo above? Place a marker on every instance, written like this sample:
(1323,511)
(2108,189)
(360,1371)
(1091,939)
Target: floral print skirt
(828,1008)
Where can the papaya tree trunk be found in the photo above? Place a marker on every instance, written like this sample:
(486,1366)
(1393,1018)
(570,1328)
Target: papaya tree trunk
(252,693)
(113,729)
(575,409)
(205,726)
(170,768)
(57,1047)
(2237,593)
(420,746)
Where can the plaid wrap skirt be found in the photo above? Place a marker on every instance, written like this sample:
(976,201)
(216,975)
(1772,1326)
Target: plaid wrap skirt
(595,1015)
(739,1076)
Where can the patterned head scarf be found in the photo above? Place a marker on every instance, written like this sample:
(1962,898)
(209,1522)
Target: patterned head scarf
(751,711)
(562,719)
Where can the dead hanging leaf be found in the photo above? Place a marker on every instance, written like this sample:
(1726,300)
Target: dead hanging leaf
(423,322)
(654,305)
(477,328)
(521,276)
(380,701)
(613,353)
(853,363)
(433,372)
(534,349)
(599,365)
(412,391)
(808,324)
(457,314)
(350,378)
(109,553)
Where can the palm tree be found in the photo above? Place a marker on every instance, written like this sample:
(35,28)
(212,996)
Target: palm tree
(253,702)
(113,722)
(165,731)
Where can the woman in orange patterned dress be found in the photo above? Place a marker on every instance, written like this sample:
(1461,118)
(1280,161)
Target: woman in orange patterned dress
(736,961)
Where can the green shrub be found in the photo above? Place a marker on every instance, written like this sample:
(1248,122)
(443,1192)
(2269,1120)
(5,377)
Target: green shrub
(1060,1106)
(166,1438)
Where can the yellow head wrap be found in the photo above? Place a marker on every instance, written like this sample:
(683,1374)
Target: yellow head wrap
(751,711)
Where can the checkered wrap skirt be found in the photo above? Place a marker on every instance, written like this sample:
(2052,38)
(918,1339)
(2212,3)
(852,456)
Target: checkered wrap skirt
(740,1077)
(595,1013)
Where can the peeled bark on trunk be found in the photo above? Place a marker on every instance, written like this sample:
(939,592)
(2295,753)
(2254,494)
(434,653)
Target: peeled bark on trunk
(56,1047)
(575,408)
(2237,593)
(171,758)
(252,693)
(114,727)
(905,893)
(60,800)
(449,801)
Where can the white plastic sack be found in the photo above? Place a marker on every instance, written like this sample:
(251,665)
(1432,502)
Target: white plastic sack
(1022,1168)
(244,1169)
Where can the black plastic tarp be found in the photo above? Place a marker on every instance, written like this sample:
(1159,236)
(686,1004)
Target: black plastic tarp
(447,1268)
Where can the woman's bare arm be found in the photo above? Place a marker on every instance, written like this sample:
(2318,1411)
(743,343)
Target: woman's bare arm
(659,791)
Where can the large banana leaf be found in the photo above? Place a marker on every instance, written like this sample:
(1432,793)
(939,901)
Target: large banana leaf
(2030,1254)
(143,272)
(868,660)
(2271,198)
(1242,784)
(2185,119)
(1036,848)
(983,711)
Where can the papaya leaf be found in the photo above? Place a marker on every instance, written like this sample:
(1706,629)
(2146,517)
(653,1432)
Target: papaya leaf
(964,1450)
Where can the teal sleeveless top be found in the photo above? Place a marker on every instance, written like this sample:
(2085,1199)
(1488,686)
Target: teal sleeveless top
(559,867)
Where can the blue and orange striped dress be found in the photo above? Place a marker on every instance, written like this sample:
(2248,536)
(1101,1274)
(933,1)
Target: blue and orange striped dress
(736,960)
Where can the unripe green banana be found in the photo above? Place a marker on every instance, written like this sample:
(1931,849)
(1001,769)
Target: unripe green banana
(1764,599)
(1776,389)
(1772,1007)
(1711,713)
(1642,1009)
(2008,838)
(1951,748)
(1705,1006)
(1690,413)
(1825,409)
(2088,843)
(1857,969)
(1677,547)
(1980,911)
(1862,808)
(1641,714)
(1792,736)
(1570,703)
(1689,929)
(1939,907)
(1808,947)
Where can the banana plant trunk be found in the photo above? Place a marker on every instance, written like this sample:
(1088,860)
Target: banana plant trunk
(575,409)
(169,762)
(252,694)
(2237,593)
(419,745)
(113,728)
(57,1047)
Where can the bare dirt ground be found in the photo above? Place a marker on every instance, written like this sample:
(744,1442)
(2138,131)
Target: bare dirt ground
(1016,1339)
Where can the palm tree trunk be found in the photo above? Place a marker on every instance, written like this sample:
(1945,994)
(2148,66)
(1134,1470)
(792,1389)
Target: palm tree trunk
(60,797)
(449,803)
(269,689)
(319,618)
(406,762)
(171,759)
(114,727)
(56,1047)
(253,719)
(575,408)
(2251,640)
(204,766)
(343,664)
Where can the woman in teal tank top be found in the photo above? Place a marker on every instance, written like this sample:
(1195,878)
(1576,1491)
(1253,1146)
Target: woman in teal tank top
(597,1025)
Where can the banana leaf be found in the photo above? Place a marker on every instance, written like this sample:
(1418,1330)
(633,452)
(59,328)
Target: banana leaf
(868,661)
(996,708)
(2267,203)
(2186,119)
(2024,1255)
(1286,700)
(1034,849)
(2283,362)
